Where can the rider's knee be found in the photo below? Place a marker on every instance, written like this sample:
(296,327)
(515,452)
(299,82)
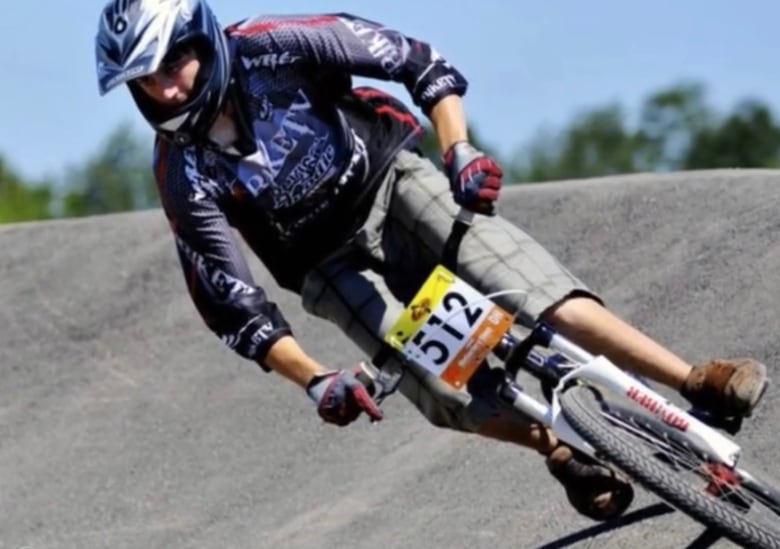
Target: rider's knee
(571,309)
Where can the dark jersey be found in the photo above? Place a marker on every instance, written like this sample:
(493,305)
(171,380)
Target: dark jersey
(309,152)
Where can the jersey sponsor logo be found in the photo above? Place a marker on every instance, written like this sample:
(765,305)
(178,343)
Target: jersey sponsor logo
(226,287)
(201,186)
(379,45)
(222,286)
(263,332)
(260,336)
(313,166)
(295,154)
(269,60)
(231,340)
(292,129)
(434,88)
(254,171)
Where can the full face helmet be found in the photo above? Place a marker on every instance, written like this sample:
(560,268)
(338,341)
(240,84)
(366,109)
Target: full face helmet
(135,37)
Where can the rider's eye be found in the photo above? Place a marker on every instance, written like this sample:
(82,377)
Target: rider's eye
(174,58)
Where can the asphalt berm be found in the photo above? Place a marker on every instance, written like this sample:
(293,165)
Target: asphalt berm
(125,424)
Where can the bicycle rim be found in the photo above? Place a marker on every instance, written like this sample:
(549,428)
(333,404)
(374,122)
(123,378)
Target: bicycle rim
(747,486)
(661,462)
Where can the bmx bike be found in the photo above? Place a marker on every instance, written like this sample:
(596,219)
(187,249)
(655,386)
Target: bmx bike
(686,457)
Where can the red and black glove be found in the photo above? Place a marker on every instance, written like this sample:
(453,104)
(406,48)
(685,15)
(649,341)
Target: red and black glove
(341,397)
(475,178)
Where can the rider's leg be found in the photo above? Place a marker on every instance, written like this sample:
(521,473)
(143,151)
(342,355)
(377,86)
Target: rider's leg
(347,292)
(496,256)
(517,430)
(730,386)
(591,325)
(595,491)
(406,238)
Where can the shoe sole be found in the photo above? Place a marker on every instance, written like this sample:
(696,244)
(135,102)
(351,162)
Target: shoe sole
(757,394)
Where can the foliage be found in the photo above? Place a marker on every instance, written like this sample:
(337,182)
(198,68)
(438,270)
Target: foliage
(117,178)
(675,129)
(669,123)
(21,200)
(748,138)
(596,143)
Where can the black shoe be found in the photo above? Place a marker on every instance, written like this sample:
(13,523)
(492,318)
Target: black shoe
(594,490)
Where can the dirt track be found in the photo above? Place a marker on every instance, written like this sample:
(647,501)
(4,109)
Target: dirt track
(125,424)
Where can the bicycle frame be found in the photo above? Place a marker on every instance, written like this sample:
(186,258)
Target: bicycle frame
(599,371)
(589,369)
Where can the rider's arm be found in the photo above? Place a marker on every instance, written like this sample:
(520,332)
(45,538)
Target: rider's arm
(287,358)
(449,121)
(218,278)
(356,46)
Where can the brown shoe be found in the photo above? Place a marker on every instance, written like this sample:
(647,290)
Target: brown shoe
(726,387)
(594,490)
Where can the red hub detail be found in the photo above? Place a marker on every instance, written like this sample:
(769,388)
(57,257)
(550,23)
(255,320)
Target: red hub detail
(723,479)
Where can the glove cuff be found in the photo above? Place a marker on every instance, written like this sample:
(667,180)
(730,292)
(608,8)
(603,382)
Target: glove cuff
(318,384)
(458,155)
(455,149)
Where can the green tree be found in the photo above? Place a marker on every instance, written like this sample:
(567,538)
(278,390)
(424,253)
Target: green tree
(117,178)
(596,143)
(670,121)
(21,200)
(676,130)
(748,138)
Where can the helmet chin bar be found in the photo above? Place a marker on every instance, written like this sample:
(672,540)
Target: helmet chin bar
(177,24)
(167,120)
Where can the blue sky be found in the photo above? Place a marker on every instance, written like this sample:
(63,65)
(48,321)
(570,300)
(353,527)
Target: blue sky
(530,65)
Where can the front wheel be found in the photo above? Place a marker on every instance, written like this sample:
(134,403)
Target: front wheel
(659,458)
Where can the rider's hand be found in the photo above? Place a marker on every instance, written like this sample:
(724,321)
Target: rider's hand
(341,397)
(475,178)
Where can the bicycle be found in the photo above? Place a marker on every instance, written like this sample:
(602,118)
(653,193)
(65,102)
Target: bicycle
(449,328)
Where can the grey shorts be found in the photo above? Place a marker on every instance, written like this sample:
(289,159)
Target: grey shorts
(363,286)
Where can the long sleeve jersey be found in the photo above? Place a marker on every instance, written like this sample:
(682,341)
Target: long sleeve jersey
(309,154)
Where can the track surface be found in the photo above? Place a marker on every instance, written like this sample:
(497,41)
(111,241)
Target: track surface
(125,424)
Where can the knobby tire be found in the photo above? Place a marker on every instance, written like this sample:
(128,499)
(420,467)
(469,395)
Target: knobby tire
(581,408)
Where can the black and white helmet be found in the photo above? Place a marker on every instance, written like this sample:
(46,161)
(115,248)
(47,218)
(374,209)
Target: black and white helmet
(133,38)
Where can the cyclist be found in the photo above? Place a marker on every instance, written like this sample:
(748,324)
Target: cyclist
(261,130)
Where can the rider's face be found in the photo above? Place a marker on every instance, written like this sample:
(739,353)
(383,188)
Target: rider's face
(173,82)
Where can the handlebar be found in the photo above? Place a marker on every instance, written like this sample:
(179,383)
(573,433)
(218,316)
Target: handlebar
(378,382)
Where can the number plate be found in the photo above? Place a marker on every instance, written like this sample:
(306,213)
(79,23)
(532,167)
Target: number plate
(449,327)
